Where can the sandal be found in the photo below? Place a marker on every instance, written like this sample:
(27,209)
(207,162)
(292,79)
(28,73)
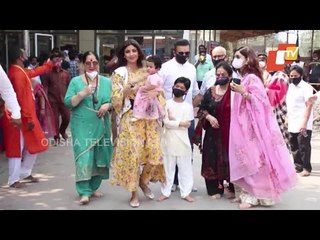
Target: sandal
(18,185)
(84,200)
(245,205)
(97,194)
(162,197)
(31,178)
(188,199)
(147,191)
(134,204)
(304,173)
(64,136)
(216,196)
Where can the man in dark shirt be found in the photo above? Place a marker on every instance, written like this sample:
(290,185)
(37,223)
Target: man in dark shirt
(55,84)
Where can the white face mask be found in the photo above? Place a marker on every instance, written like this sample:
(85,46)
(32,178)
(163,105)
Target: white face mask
(262,64)
(237,63)
(92,75)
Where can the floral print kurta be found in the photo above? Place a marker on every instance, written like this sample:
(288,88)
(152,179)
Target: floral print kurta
(138,142)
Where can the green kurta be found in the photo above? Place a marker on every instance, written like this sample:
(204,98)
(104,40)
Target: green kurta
(90,135)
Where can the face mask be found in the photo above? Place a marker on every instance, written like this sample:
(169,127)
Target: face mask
(262,64)
(178,92)
(181,58)
(92,75)
(295,81)
(202,58)
(237,63)
(24,61)
(216,61)
(57,66)
(222,81)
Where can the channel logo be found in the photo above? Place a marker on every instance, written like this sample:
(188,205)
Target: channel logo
(286,54)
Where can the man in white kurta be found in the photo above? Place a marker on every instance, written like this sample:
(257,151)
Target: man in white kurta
(180,67)
(300,122)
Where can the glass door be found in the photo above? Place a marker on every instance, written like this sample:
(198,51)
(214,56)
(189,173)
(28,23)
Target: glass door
(11,40)
(106,47)
(43,43)
(146,43)
(164,45)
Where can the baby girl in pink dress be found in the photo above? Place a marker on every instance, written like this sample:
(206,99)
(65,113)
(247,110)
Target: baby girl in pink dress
(145,107)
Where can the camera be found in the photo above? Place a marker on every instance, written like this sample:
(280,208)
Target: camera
(236,80)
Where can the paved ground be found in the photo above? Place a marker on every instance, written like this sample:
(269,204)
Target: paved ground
(56,190)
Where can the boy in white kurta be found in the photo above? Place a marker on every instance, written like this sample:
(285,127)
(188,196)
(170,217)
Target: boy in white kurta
(175,141)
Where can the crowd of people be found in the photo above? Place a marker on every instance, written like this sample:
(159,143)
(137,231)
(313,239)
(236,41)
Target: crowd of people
(140,121)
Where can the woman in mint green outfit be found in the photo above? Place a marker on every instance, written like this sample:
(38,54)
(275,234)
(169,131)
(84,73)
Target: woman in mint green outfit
(89,97)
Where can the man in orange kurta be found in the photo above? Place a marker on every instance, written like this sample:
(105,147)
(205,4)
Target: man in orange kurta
(22,145)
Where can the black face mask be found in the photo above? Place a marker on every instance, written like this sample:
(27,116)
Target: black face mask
(222,81)
(295,81)
(181,58)
(178,92)
(25,63)
(216,61)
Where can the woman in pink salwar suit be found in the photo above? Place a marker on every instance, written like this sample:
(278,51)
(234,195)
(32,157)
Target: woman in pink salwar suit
(260,163)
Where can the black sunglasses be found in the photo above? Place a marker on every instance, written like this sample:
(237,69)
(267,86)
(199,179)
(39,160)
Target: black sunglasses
(184,53)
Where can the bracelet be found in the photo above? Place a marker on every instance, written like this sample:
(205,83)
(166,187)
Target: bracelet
(245,94)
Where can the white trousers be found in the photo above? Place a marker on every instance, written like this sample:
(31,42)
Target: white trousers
(21,167)
(185,175)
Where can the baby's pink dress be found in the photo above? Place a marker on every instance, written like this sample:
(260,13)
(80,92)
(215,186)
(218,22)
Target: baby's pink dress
(145,108)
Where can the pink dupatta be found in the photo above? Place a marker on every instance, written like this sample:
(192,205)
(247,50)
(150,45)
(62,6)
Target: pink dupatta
(259,159)
(47,123)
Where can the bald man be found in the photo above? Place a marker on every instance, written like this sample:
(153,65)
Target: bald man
(218,54)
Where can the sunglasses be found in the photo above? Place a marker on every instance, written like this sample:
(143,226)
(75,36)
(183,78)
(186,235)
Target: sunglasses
(184,53)
(94,63)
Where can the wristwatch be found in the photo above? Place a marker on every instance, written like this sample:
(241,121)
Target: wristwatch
(245,94)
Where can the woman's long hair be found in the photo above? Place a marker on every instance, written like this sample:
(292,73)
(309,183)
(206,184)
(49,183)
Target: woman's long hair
(252,66)
(122,61)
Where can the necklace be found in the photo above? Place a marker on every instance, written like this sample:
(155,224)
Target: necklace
(94,93)
(220,91)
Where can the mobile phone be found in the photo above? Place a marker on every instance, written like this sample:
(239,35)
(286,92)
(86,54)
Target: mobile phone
(236,80)
(304,133)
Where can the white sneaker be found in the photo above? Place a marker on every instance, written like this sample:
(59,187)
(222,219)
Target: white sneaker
(174,188)
(194,189)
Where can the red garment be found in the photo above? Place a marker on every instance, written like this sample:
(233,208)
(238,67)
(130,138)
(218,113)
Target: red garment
(34,140)
(277,90)
(1,134)
(56,84)
(215,160)
(48,121)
